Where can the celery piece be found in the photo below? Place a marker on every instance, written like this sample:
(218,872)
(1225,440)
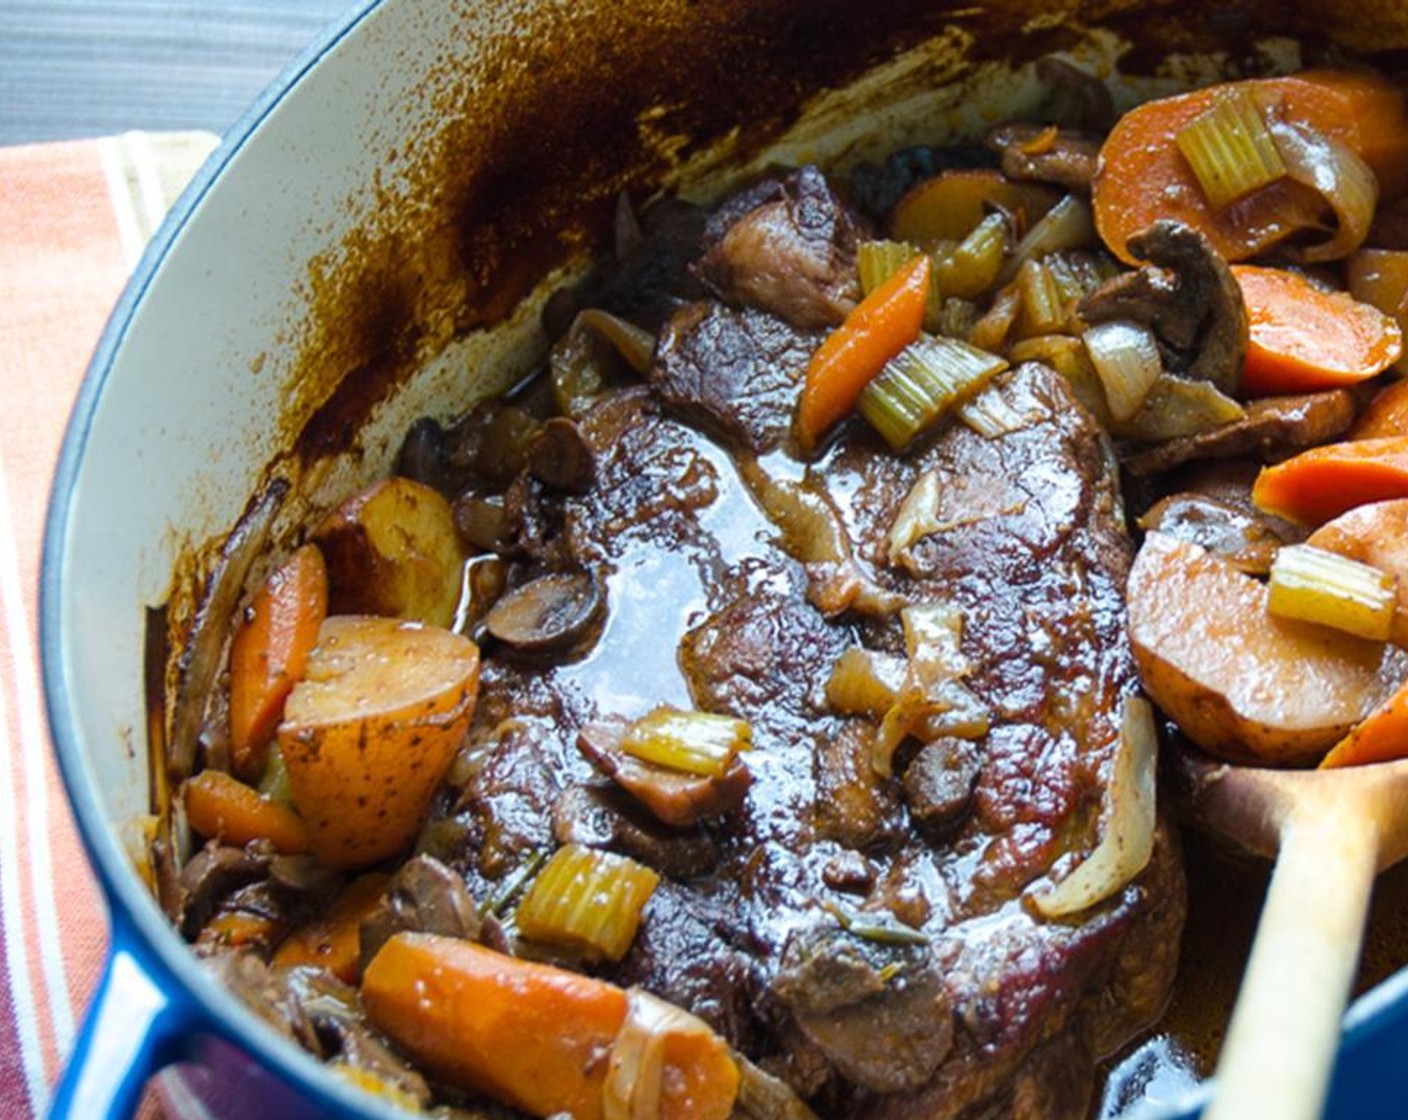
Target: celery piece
(989,414)
(274,784)
(918,385)
(879,260)
(695,742)
(1079,272)
(1230,149)
(588,899)
(1314,585)
(951,317)
(1044,306)
(969,269)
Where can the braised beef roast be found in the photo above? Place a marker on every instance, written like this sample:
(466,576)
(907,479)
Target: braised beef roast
(863,937)
(866,937)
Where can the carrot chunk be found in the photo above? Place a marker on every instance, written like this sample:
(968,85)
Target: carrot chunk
(1324,482)
(877,329)
(1143,176)
(1386,415)
(1381,736)
(333,939)
(543,1039)
(219,806)
(270,652)
(531,1035)
(1304,339)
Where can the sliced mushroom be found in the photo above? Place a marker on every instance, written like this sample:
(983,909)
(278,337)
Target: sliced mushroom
(1076,98)
(559,457)
(672,796)
(424,896)
(608,817)
(882,1016)
(550,614)
(1046,154)
(1194,304)
(1247,540)
(1273,427)
(214,872)
(938,785)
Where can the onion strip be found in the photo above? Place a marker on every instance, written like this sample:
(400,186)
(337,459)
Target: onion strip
(1336,172)
(1126,825)
(635,1076)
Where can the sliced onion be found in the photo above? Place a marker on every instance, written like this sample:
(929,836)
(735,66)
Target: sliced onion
(1067,225)
(635,1075)
(1337,173)
(1126,825)
(932,700)
(635,345)
(918,516)
(990,415)
(1126,357)
(864,682)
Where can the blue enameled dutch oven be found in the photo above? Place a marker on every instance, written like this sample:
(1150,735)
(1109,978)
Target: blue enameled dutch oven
(392,214)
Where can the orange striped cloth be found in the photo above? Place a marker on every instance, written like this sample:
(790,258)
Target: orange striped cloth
(73,220)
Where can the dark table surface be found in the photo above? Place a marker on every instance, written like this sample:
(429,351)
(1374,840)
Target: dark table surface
(81,68)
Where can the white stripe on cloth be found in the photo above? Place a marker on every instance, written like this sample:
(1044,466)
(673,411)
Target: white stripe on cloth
(145,172)
(12,908)
(35,744)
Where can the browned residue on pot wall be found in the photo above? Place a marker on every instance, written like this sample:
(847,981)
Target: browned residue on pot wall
(531,147)
(533,143)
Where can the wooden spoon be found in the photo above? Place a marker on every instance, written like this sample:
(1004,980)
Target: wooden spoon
(1329,832)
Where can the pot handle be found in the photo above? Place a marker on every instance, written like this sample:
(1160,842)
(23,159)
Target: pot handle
(135,1025)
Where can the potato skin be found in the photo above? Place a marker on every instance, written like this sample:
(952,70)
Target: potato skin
(1240,683)
(393,550)
(370,731)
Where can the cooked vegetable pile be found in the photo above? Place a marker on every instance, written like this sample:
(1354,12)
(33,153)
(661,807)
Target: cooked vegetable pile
(749,715)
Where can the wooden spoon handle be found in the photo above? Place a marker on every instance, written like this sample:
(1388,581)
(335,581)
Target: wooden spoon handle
(1284,1033)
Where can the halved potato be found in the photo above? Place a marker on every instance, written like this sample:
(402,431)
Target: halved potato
(1239,682)
(393,550)
(371,729)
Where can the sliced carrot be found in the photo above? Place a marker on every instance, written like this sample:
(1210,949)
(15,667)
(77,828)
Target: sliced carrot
(530,1035)
(237,928)
(1381,736)
(1304,338)
(1324,482)
(270,652)
(1143,177)
(221,807)
(1364,111)
(703,1082)
(333,940)
(535,1036)
(877,329)
(1385,416)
